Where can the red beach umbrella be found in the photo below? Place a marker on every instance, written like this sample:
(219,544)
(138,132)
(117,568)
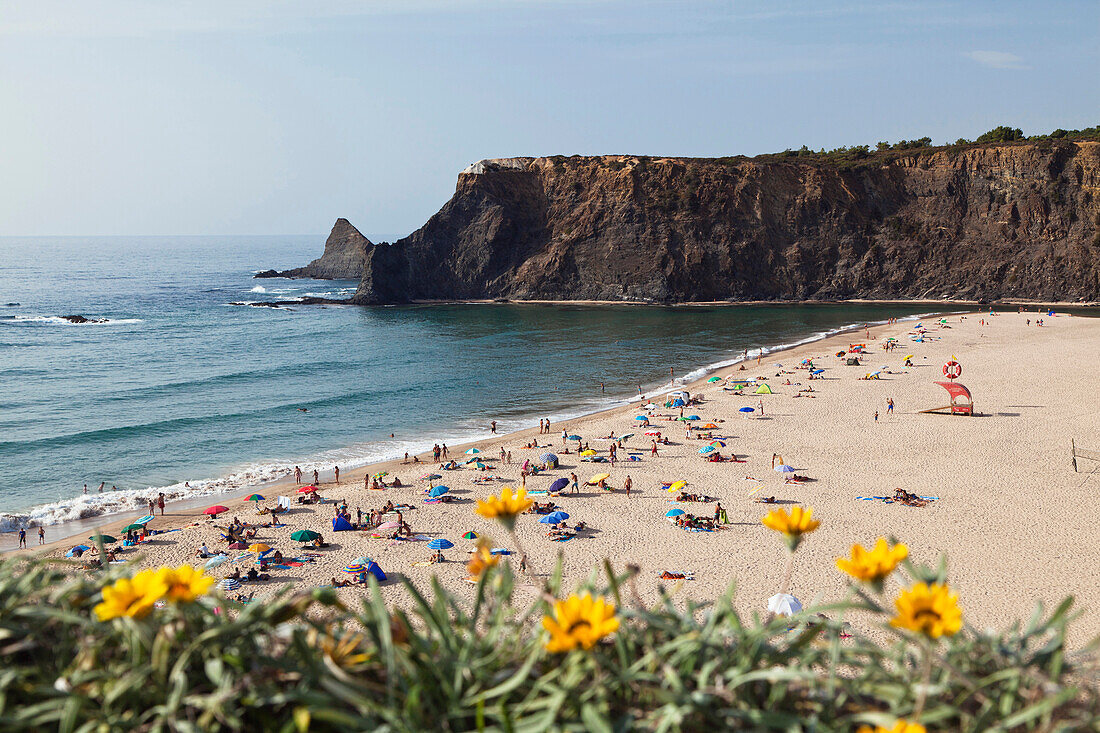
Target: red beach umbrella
(215,510)
(307,490)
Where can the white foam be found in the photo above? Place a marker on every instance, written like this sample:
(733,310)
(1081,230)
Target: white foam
(258,289)
(59,321)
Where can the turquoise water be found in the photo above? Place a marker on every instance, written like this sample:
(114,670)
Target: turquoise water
(181,386)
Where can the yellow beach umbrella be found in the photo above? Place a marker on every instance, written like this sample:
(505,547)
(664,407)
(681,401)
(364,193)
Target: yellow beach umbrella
(676,486)
(588,452)
(599,477)
(258,547)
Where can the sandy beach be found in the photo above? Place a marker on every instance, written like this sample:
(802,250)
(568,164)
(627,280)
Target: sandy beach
(1014,519)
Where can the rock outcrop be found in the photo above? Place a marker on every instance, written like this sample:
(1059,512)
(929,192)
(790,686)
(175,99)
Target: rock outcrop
(975,222)
(345,252)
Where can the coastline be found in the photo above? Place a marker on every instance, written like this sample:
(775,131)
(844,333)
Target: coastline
(189,509)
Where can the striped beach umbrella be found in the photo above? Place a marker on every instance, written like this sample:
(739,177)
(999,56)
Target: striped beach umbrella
(230,584)
(144,520)
(254,497)
(355,568)
(472,451)
(471,535)
(440,544)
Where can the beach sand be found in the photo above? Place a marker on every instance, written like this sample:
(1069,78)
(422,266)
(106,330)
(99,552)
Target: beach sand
(1016,522)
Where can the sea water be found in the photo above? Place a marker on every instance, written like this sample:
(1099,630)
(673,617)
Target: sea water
(183,391)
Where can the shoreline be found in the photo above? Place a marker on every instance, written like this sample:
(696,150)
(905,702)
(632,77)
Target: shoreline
(190,508)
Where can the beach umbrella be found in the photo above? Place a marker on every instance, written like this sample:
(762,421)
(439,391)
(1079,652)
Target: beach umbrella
(677,402)
(712,380)
(558,485)
(78,548)
(558,516)
(624,436)
(817,371)
(230,584)
(784,604)
(683,419)
(784,468)
(471,535)
(107,539)
(133,528)
(479,465)
(547,457)
(709,426)
(599,477)
(641,417)
(362,560)
(475,459)
(237,546)
(215,510)
(258,547)
(215,561)
(588,452)
(500,551)
(440,544)
(355,568)
(574,437)
(438,490)
(653,432)
(548,519)
(718,443)
(649,406)
(243,556)
(472,451)
(389,525)
(747,410)
(693,417)
(305,535)
(674,512)
(307,490)
(707,449)
(677,485)
(381,474)
(254,497)
(144,520)
(430,477)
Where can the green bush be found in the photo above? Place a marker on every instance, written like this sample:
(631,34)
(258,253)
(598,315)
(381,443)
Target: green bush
(306,662)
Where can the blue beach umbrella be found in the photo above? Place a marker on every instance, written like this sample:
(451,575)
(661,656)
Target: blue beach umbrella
(472,452)
(548,457)
(674,512)
(574,437)
(747,409)
(641,417)
(707,449)
(362,560)
(559,485)
(230,584)
(144,520)
(548,519)
(78,548)
(784,468)
(557,517)
(438,490)
(817,371)
(440,544)
(500,551)
(693,417)
(216,561)
(677,403)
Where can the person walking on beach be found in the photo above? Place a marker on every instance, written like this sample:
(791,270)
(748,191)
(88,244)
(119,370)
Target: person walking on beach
(627,483)
(889,405)
(315,481)
(22,537)
(336,469)
(493,426)
(160,503)
(41,535)
(654,451)
(297,475)
(573,483)
(761,405)
(876,415)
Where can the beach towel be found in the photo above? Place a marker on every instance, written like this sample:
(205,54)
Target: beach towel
(563,539)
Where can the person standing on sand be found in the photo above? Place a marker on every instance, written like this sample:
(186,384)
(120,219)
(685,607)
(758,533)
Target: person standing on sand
(160,503)
(315,481)
(573,483)
(564,436)
(444,450)
(41,535)
(876,415)
(493,426)
(654,451)
(508,458)
(889,405)
(627,483)
(297,475)
(22,537)
(542,427)
(336,469)
(547,426)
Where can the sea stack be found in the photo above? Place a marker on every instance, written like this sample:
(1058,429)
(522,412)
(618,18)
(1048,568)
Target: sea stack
(345,250)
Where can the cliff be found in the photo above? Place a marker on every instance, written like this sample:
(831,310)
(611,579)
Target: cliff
(1015,220)
(345,251)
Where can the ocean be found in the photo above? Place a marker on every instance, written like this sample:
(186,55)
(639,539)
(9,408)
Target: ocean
(184,392)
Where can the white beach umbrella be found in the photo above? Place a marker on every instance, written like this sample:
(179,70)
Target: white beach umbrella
(784,604)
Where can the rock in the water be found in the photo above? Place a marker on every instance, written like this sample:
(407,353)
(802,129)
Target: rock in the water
(982,221)
(345,250)
(82,319)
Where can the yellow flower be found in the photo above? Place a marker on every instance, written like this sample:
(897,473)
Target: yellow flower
(799,522)
(343,651)
(932,610)
(133,597)
(185,583)
(506,506)
(579,620)
(901,726)
(874,565)
(481,560)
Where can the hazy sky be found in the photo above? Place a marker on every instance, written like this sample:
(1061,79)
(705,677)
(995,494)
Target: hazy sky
(246,116)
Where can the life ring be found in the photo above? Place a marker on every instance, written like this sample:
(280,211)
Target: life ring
(952,369)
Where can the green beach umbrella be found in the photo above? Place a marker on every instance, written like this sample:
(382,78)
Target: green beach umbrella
(107,539)
(304,535)
(133,528)
(471,535)
(712,380)
(255,497)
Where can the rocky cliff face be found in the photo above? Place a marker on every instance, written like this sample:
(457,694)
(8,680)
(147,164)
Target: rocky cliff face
(979,222)
(343,258)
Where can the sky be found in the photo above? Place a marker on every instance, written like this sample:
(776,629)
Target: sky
(278,116)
